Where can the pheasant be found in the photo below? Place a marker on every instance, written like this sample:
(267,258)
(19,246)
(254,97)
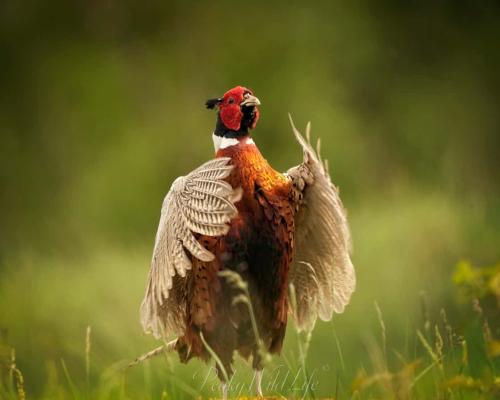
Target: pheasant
(236,227)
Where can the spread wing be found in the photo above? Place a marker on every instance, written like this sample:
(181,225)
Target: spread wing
(322,274)
(199,203)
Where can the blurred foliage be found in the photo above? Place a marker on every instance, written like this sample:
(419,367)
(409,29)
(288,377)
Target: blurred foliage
(102,107)
(98,99)
(437,366)
(481,288)
(477,282)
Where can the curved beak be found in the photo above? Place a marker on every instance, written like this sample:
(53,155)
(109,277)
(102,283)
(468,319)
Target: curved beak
(250,101)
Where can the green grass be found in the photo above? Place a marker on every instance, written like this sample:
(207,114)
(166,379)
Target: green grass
(435,363)
(73,327)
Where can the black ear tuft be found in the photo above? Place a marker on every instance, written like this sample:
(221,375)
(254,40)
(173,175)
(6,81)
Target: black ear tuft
(212,103)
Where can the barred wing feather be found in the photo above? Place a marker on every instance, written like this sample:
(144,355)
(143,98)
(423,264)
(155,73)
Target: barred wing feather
(199,203)
(322,273)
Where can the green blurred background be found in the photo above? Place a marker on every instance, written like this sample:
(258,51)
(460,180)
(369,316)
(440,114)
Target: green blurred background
(102,106)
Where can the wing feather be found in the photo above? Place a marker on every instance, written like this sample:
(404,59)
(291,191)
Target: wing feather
(199,203)
(322,273)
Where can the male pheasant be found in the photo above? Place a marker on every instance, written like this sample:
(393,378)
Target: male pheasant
(275,233)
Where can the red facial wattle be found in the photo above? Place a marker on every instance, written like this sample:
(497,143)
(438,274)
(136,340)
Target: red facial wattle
(231,116)
(230,108)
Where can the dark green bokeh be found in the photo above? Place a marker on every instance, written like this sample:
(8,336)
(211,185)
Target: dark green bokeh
(102,106)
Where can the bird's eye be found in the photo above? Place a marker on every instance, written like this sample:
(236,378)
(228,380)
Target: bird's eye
(231,100)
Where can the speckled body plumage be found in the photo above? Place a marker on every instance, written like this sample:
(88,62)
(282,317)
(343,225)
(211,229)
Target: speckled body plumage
(259,246)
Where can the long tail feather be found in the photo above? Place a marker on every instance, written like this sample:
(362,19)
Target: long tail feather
(166,348)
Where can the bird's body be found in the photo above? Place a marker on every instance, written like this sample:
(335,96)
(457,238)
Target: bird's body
(259,247)
(275,232)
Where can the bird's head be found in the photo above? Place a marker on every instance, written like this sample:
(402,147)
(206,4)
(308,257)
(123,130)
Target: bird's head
(238,112)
